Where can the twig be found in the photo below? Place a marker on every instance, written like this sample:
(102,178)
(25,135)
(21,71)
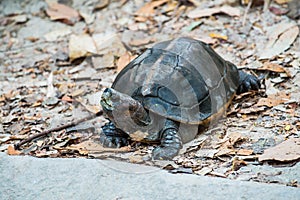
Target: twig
(46,132)
(246,11)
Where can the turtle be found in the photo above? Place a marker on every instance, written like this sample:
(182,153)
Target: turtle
(168,93)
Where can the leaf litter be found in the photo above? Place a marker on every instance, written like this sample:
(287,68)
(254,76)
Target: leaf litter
(38,91)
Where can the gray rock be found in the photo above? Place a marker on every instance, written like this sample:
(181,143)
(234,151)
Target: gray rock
(78,178)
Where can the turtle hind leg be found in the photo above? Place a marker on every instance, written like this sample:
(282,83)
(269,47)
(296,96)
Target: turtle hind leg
(171,143)
(247,82)
(113,137)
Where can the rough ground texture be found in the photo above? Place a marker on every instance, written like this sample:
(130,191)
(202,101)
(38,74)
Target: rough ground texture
(56,59)
(32,178)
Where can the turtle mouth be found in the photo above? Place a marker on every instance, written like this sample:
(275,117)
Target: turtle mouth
(106,101)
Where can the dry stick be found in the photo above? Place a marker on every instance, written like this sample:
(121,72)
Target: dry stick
(46,132)
(246,11)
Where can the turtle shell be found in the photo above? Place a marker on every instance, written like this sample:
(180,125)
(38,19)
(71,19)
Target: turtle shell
(182,79)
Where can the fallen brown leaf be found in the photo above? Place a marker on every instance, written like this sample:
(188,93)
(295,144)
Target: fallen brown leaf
(218,36)
(54,35)
(149,8)
(109,44)
(140,42)
(230,139)
(91,147)
(217,174)
(11,151)
(244,152)
(198,13)
(81,46)
(252,109)
(281,36)
(282,1)
(124,60)
(237,164)
(77,92)
(136,159)
(57,11)
(206,153)
(274,99)
(225,151)
(67,98)
(204,171)
(91,108)
(273,67)
(278,11)
(286,151)
(102,4)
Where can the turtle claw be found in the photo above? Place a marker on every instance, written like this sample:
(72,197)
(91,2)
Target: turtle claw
(113,137)
(164,153)
(248,82)
(170,146)
(112,142)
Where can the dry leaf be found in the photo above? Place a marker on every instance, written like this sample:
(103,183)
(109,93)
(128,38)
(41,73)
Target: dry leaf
(77,92)
(206,153)
(252,109)
(109,43)
(225,151)
(171,6)
(92,108)
(198,13)
(105,61)
(11,151)
(140,42)
(67,98)
(204,171)
(273,67)
(92,147)
(217,174)
(63,13)
(282,1)
(237,164)
(228,142)
(88,17)
(286,151)
(274,99)
(280,38)
(124,60)
(136,159)
(244,152)
(149,8)
(230,139)
(278,11)
(194,144)
(218,36)
(102,4)
(54,35)
(81,46)
(51,91)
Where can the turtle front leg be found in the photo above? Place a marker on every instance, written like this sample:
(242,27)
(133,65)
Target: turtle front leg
(170,143)
(247,82)
(113,137)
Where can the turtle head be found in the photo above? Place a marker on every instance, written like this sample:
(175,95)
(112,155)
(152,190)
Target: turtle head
(107,100)
(121,108)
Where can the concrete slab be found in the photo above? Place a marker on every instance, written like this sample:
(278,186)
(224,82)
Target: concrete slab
(78,178)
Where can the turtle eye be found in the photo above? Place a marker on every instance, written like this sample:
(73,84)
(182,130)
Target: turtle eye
(106,99)
(107,92)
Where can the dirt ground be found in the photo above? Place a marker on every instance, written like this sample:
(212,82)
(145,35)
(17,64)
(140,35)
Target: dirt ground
(56,58)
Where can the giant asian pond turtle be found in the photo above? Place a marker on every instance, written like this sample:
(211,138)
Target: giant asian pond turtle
(167,93)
